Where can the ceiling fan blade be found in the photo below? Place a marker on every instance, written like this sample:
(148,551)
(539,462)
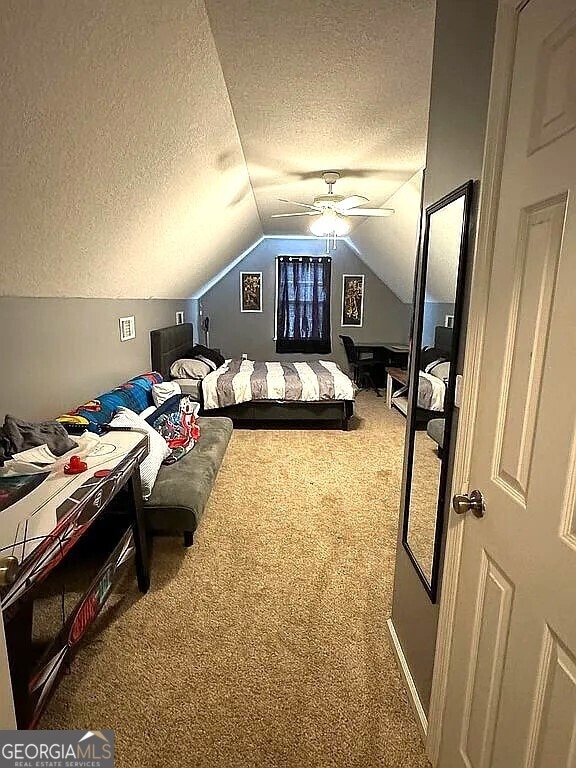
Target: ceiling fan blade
(302,205)
(283,215)
(370,212)
(351,202)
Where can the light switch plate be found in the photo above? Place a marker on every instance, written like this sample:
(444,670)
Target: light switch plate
(127,328)
(179,318)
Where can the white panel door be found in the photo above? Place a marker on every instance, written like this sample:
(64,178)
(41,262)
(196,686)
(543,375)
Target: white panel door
(511,697)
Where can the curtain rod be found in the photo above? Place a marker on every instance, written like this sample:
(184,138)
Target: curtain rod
(305,258)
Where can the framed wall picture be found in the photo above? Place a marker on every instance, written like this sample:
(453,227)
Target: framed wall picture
(352,300)
(250,291)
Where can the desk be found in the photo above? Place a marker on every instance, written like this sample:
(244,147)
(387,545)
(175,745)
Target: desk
(385,354)
(40,528)
(388,353)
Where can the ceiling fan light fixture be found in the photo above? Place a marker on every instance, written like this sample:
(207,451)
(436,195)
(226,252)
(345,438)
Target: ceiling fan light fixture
(329,224)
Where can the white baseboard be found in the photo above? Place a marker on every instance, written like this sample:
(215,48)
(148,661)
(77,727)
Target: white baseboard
(421,718)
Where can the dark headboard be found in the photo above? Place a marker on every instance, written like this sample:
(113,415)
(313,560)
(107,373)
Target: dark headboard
(443,340)
(170,344)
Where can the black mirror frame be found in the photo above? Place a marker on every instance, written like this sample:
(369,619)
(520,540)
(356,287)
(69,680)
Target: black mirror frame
(465,191)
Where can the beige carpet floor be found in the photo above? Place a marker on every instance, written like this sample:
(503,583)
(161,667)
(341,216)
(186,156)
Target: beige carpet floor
(425,485)
(265,643)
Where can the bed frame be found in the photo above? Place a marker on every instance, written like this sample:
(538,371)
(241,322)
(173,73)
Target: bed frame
(443,346)
(176,341)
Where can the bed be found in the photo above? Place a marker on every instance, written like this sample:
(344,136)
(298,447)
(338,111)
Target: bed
(433,375)
(177,342)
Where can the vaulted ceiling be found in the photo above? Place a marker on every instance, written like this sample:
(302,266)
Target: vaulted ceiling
(144,145)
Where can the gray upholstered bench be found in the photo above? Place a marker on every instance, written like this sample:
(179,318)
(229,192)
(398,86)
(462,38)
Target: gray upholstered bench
(182,490)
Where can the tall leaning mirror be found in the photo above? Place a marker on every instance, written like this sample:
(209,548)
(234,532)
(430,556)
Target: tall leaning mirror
(434,348)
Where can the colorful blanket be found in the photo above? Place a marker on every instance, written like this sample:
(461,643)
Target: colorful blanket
(134,394)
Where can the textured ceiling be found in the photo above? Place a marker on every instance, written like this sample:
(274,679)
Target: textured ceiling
(144,144)
(388,245)
(326,84)
(121,162)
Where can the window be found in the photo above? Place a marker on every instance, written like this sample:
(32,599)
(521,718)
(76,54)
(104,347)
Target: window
(303,304)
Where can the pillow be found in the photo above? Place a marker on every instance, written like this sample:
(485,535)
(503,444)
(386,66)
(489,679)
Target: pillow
(191,369)
(158,447)
(205,353)
(210,363)
(165,390)
(176,421)
(440,371)
(429,355)
(427,368)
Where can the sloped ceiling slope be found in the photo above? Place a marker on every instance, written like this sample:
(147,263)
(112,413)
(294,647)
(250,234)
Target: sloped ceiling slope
(389,245)
(326,84)
(122,170)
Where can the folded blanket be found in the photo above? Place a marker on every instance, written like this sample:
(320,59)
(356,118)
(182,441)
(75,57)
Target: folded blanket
(18,435)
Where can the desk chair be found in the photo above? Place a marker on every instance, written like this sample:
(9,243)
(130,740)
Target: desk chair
(361,369)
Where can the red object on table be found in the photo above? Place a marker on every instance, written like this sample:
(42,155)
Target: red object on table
(75,466)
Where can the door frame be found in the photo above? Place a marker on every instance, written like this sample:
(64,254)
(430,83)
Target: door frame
(495,139)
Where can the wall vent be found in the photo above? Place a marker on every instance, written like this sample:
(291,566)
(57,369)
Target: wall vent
(127,328)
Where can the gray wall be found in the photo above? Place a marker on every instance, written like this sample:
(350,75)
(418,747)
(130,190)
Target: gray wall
(461,66)
(58,353)
(434,314)
(386,318)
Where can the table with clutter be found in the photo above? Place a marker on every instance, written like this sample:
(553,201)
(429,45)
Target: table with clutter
(48,503)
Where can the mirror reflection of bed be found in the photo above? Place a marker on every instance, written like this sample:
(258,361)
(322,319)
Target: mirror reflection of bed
(431,396)
(434,370)
(434,362)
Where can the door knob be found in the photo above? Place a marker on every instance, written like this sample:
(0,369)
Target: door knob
(474,502)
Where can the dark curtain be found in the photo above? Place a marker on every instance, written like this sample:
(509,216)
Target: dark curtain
(303,311)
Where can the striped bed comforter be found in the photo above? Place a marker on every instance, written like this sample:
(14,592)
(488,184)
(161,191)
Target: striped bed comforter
(431,391)
(239,381)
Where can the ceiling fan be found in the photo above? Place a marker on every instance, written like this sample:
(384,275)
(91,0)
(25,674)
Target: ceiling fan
(331,209)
